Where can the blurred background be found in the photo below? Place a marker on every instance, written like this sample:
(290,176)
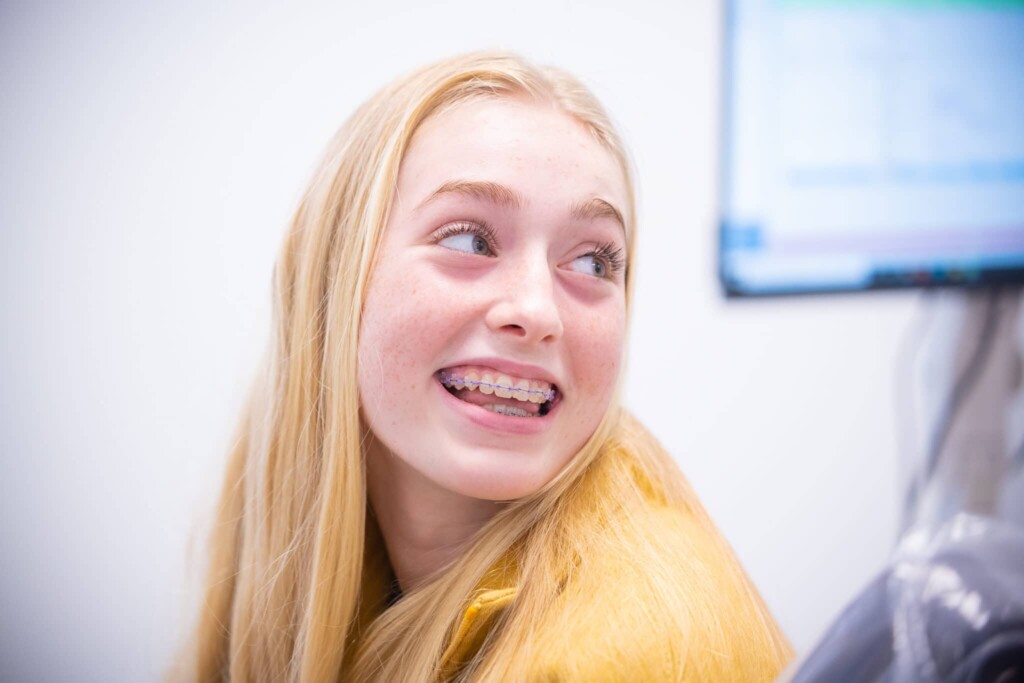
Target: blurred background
(154,152)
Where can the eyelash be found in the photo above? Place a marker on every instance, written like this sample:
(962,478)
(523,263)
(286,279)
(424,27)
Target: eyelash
(612,256)
(482,229)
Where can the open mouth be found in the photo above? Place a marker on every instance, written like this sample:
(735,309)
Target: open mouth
(501,394)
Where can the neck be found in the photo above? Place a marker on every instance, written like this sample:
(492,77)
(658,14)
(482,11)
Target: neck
(424,526)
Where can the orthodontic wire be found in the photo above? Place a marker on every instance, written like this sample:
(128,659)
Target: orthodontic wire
(548,395)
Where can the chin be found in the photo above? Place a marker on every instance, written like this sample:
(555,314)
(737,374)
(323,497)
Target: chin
(486,481)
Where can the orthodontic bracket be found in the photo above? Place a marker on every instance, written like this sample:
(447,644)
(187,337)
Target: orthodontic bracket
(447,377)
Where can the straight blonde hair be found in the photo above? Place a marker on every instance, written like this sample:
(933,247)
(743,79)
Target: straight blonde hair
(286,560)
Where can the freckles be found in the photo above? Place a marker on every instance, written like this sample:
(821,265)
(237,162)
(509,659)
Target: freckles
(403,327)
(596,346)
(596,338)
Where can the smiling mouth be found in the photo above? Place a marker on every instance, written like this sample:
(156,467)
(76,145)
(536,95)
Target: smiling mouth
(501,394)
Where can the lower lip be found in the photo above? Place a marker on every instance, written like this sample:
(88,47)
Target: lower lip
(487,419)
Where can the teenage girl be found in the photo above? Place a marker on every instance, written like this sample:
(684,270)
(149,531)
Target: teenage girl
(433,479)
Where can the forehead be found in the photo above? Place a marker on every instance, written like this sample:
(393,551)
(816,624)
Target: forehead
(533,148)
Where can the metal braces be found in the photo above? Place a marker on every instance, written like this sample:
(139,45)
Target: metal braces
(548,395)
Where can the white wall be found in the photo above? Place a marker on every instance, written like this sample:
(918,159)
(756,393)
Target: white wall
(151,156)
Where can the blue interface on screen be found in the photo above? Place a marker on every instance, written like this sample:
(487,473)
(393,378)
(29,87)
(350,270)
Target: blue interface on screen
(872,144)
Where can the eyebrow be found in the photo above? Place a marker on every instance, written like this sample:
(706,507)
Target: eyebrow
(495,193)
(506,197)
(595,208)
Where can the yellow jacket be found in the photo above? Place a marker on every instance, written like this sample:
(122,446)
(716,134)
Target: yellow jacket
(597,645)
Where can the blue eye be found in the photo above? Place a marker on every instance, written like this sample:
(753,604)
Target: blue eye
(605,261)
(591,266)
(467,242)
(469,238)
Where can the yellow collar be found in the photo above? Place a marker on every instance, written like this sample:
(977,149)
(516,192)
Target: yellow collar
(475,625)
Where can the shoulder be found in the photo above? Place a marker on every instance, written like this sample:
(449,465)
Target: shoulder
(673,605)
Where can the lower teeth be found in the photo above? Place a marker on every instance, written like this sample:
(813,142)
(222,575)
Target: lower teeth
(502,409)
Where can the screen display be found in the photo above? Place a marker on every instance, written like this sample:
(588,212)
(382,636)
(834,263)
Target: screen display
(872,144)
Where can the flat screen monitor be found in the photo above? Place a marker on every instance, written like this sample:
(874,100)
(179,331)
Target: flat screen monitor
(871,144)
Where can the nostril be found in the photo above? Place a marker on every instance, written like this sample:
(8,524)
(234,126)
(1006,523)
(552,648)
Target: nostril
(525,318)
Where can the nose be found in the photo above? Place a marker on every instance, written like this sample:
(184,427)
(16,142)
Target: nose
(525,306)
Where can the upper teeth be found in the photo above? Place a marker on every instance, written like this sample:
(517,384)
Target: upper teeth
(504,386)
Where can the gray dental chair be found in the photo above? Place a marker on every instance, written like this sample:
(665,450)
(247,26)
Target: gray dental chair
(949,609)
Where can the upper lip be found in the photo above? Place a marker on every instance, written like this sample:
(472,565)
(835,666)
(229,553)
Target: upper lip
(509,367)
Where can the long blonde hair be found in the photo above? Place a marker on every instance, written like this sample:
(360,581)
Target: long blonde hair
(287,550)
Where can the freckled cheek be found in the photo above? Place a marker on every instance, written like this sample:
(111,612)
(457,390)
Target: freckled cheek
(596,343)
(402,324)
(385,337)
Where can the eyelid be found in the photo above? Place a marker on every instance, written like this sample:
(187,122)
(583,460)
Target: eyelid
(613,257)
(461,227)
(611,254)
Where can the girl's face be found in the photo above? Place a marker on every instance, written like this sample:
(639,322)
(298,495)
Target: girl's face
(502,265)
